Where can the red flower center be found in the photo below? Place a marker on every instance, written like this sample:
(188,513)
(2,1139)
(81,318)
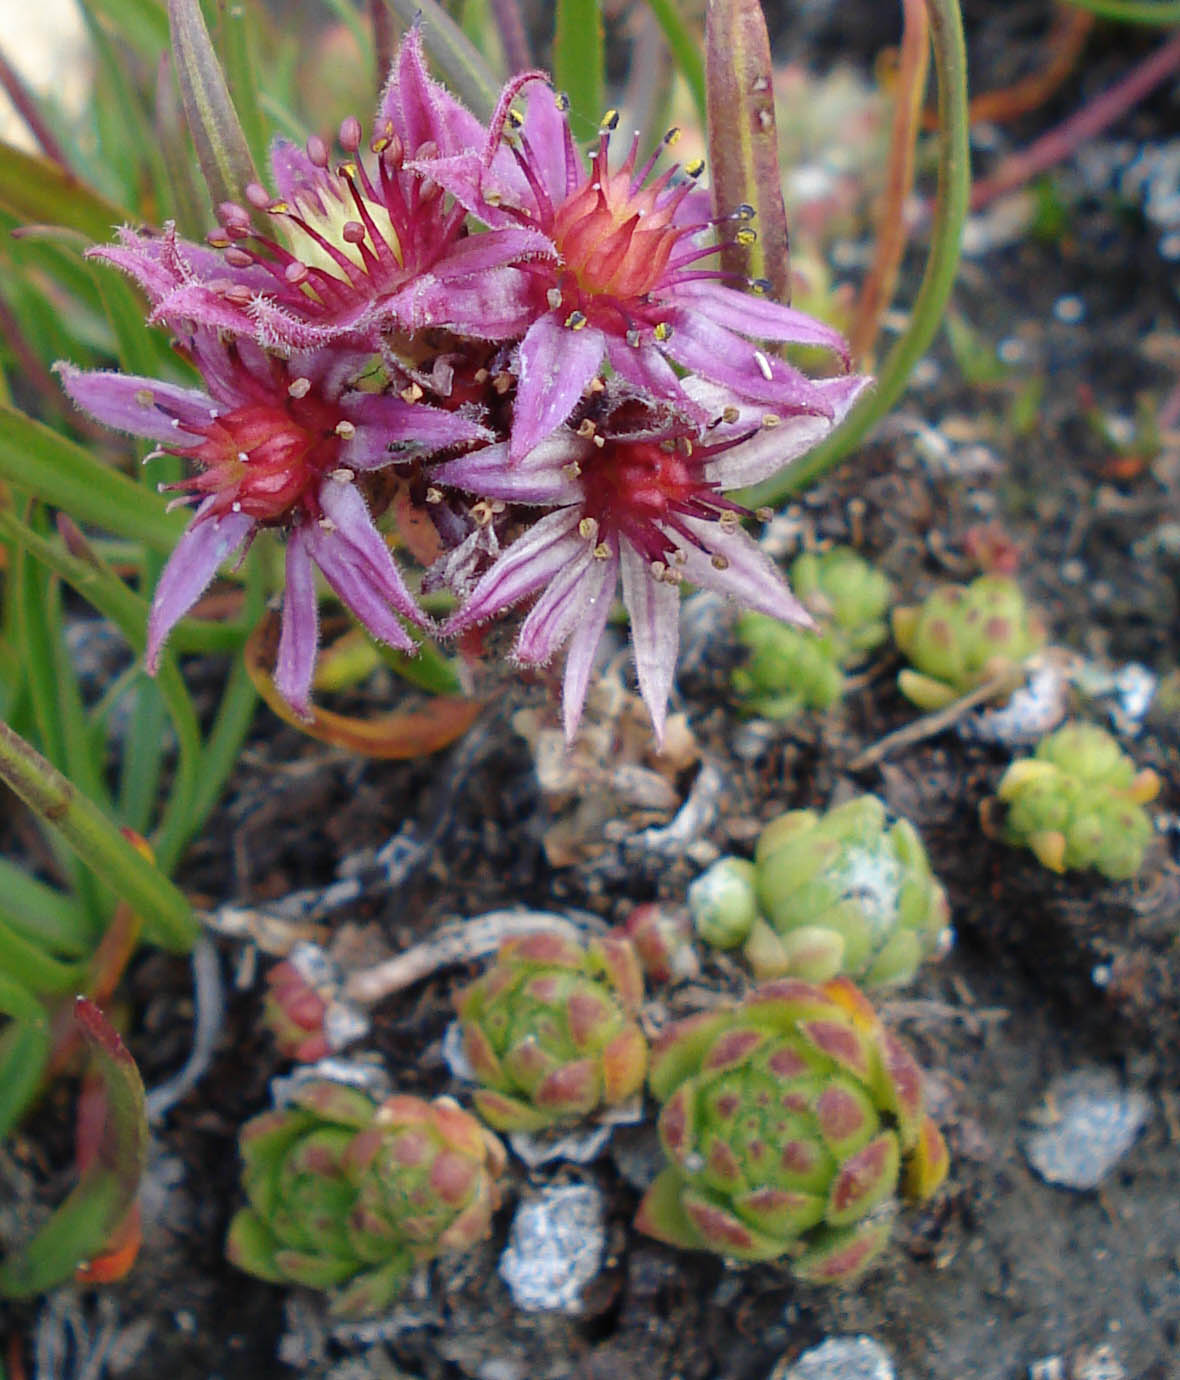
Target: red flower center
(265,459)
(642,490)
(615,238)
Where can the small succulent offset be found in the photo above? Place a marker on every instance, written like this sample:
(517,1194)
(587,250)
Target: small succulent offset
(791,1123)
(1079,802)
(550,1030)
(723,902)
(964,636)
(845,892)
(789,669)
(348,1196)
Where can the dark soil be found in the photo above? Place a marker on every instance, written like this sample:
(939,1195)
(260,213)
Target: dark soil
(1002,1269)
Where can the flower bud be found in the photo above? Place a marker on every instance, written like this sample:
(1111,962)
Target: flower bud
(723,903)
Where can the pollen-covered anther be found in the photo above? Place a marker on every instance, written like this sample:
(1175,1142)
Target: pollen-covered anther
(746,236)
(601,552)
(719,562)
(761,286)
(572,471)
(343,476)
(730,415)
(695,168)
(728,521)
(743,211)
(764,514)
(575,321)
(609,122)
(299,388)
(771,420)
(588,529)
(553,297)
(502,382)
(481,513)
(672,136)
(412,393)
(600,441)
(345,430)
(633,338)
(586,427)
(597,385)
(434,495)
(662,331)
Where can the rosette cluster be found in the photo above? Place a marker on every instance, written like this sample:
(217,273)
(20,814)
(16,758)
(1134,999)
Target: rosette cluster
(792,1124)
(538,361)
(846,892)
(550,1030)
(1079,802)
(349,1196)
(789,669)
(963,636)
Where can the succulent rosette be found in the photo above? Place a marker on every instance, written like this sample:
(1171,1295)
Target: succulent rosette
(793,1123)
(962,636)
(1079,802)
(791,669)
(845,892)
(550,1030)
(349,1196)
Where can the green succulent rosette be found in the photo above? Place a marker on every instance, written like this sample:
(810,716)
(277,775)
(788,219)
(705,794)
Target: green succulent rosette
(790,669)
(792,1124)
(846,892)
(1078,802)
(964,636)
(348,1195)
(550,1030)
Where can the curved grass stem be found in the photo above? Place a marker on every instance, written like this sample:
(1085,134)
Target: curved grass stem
(954,188)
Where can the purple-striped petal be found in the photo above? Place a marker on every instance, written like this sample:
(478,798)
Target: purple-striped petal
(143,407)
(757,316)
(580,656)
(772,447)
(556,613)
(206,543)
(646,369)
(556,365)
(299,638)
(358,565)
(709,349)
(747,573)
(530,562)
(540,477)
(654,607)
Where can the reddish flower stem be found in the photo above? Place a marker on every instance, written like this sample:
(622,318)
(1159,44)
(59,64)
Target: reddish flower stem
(892,229)
(1057,145)
(26,107)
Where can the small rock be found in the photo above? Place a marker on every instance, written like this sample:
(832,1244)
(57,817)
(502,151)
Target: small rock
(839,1358)
(554,1248)
(1088,1123)
(1097,1363)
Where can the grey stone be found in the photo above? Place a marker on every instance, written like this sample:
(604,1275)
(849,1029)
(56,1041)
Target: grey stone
(1088,1123)
(555,1248)
(839,1358)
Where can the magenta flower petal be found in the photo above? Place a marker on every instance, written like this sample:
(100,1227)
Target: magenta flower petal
(299,637)
(358,565)
(556,364)
(654,608)
(700,345)
(645,368)
(580,656)
(143,407)
(542,477)
(758,316)
(208,542)
(421,111)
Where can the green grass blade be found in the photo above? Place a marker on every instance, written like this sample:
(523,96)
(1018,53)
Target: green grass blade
(685,46)
(41,913)
(24,1058)
(37,192)
(35,459)
(579,62)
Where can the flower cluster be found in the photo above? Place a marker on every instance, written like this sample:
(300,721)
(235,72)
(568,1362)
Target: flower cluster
(537,355)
